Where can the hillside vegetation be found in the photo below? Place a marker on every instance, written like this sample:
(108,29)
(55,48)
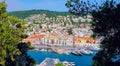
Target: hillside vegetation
(27,13)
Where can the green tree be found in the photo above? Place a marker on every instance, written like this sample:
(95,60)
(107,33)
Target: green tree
(59,64)
(70,31)
(27,13)
(11,34)
(106,24)
(24,59)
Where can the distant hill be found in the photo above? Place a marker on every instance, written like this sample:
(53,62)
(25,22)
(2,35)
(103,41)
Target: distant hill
(27,13)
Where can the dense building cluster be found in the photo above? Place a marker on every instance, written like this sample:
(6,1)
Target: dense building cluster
(59,30)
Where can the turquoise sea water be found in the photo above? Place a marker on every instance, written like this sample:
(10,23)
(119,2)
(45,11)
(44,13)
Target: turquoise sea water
(85,60)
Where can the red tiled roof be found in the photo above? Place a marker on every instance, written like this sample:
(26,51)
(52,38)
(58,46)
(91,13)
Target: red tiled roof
(28,40)
(90,40)
(37,36)
(86,35)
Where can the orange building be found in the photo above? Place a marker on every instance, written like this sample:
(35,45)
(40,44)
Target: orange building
(30,40)
(34,38)
(91,40)
(85,39)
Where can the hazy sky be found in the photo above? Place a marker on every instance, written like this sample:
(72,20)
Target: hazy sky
(54,5)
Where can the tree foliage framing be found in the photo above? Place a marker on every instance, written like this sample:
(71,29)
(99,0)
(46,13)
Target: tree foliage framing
(106,23)
(11,34)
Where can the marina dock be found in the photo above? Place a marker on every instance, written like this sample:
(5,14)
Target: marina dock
(76,50)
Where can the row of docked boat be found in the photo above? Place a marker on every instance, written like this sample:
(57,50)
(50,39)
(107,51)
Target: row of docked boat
(82,52)
(85,51)
(76,50)
(76,53)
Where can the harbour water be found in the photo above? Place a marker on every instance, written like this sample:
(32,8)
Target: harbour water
(85,60)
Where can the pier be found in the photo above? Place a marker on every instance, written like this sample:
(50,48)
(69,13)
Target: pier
(53,62)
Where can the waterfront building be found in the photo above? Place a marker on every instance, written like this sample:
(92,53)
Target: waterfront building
(58,40)
(54,61)
(49,62)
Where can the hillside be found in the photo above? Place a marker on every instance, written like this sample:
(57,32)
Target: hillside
(27,13)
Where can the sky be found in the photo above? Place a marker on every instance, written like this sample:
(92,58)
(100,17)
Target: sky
(54,5)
